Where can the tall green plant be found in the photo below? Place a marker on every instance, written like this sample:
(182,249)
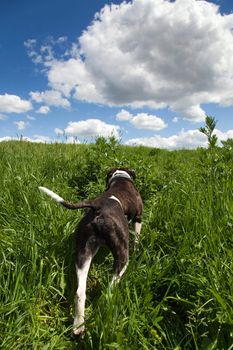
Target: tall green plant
(208,130)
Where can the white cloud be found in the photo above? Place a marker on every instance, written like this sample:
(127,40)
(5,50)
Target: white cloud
(149,122)
(123,115)
(6,138)
(223,136)
(72,139)
(50,98)
(92,128)
(142,120)
(59,132)
(39,139)
(30,45)
(29,117)
(36,139)
(154,53)
(67,139)
(14,104)
(175,120)
(184,139)
(193,113)
(46,53)
(62,39)
(43,110)
(21,125)
(189,139)
(71,76)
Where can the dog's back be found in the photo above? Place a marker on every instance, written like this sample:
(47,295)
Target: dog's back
(129,197)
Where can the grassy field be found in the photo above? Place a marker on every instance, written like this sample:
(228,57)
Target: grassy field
(177,292)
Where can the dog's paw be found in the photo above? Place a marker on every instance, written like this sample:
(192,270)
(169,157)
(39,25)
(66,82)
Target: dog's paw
(78,331)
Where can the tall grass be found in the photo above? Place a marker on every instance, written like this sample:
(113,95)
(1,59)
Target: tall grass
(177,292)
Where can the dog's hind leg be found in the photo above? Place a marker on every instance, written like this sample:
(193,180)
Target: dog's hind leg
(137,229)
(85,253)
(80,297)
(121,260)
(116,277)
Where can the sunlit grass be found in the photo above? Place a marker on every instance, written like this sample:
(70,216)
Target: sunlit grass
(177,292)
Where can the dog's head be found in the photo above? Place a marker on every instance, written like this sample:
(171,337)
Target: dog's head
(120,172)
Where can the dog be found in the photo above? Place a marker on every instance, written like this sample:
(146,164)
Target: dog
(104,223)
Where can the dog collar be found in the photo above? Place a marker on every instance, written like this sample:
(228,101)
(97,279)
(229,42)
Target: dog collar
(117,200)
(119,173)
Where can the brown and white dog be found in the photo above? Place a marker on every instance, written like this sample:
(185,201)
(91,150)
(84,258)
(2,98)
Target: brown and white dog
(105,223)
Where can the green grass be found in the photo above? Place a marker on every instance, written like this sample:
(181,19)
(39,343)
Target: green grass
(177,292)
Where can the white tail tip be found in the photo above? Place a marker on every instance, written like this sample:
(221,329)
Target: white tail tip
(51,194)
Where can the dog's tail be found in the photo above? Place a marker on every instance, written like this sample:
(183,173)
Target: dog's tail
(69,205)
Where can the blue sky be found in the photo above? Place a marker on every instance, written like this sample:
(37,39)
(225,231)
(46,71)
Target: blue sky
(146,71)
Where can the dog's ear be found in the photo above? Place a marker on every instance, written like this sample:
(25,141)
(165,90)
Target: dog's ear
(132,173)
(109,174)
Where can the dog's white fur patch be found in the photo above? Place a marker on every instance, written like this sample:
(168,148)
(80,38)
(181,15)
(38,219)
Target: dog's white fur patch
(78,326)
(120,173)
(52,194)
(116,199)
(138,227)
(116,278)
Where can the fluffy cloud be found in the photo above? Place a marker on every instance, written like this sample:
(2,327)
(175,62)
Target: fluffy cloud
(43,110)
(184,139)
(30,45)
(142,120)
(13,104)
(36,139)
(175,120)
(6,138)
(46,52)
(70,75)
(39,139)
(146,121)
(223,136)
(124,115)
(153,53)
(21,124)
(59,132)
(62,136)
(72,139)
(92,128)
(50,98)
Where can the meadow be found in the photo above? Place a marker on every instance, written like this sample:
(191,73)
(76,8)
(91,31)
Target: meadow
(177,292)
